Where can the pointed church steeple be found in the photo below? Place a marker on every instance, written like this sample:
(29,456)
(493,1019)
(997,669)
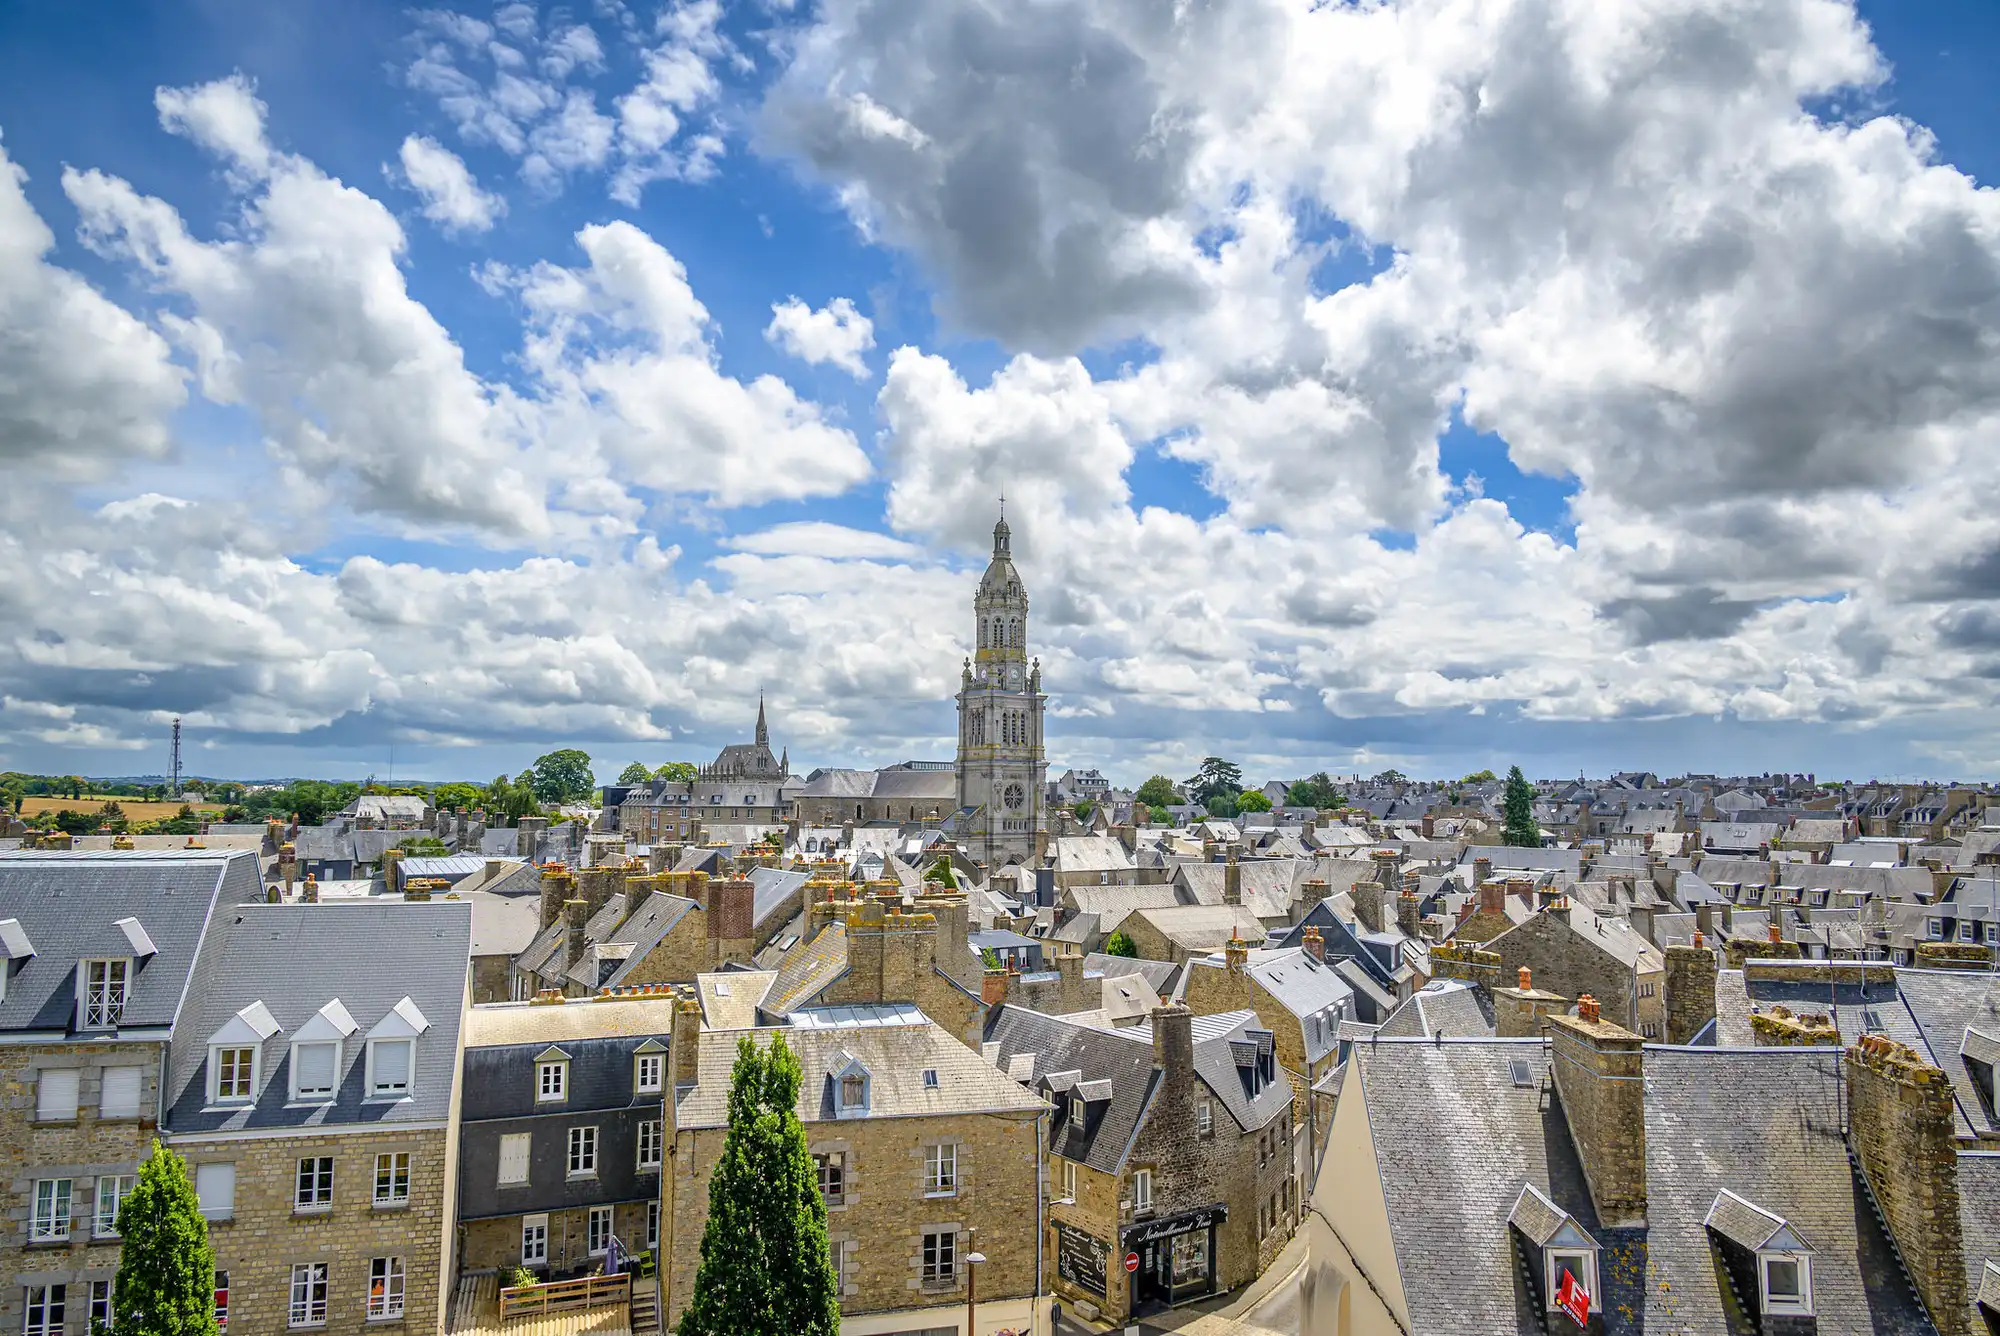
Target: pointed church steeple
(763,733)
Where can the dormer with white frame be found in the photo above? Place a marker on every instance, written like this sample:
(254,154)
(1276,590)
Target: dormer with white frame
(15,951)
(236,1056)
(318,1050)
(1555,1243)
(392,1052)
(1780,1256)
(850,1080)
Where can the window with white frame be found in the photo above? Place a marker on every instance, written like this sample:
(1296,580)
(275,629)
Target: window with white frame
(653,1223)
(534,1240)
(940,1264)
(1142,1189)
(1934,928)
(389,1068)
(1204,1119)
(312,1189)
(100,1306)
(832,1171)
(50,1221)
(215,1186)
(104,990)
(46,1305)
(1786,1282)
(649,1144)
(235,1074)
(112,1189)
(582,1152)
(392,1178)
(119,1091)
(940,1170)
(649,1073)
(1069,1179)
(55,1094)
(315,1069)
(599,1230)
(385,1289)
(514,1147)
(308,1306)
(551,1081)
(1968,930)
(1581,1263)
(222,1300)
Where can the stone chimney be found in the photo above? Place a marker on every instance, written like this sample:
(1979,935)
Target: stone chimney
(598,884)
(527,833)
(1173,1046)
(1690,990)
(1599,1072)
(556,887)
(577,914)
(1314,943)
(423,888)
(1311,892)
(1518,1011)
(1236,955)
(1781,1027)
(1429,826)
(638,890)
(288,864)
(1232,882)
(1899,1118)
(1372,897)
(1409,915)
(309,891)
(1482,871)
(1704,921)
(392,871)
(684,1040)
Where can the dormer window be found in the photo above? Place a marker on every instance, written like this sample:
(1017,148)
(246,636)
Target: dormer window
(235,1055)
(649,1068)
(1563,1248)
(392,1051)
(316,1053)
(1781,1256)
(850,1085)
(551,1076)
(105,985)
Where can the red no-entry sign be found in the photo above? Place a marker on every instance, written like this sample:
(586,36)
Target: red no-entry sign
(1131,1262)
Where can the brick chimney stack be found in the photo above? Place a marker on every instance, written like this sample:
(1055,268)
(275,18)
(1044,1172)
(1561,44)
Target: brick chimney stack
(1899,1116)
(1599,1072)
(993,988)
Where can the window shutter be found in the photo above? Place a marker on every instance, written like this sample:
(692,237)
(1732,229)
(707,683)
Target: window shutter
(215,1186)
(514,1157)
(55,1094)
(120,1097)
(315,1065)
(392,1064)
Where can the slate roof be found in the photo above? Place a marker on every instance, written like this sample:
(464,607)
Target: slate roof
(770,887)
(67,903)
(1159,973)
(1215,1064)
(1057,1044)
(896,1056)
(641,933)
(1313,993)
(1443,1007)
(503,925)
(1204,927)
(807,969)
(1944,1004)
(1091,853)
(1763,1123)
(1979,1227)
(295,959)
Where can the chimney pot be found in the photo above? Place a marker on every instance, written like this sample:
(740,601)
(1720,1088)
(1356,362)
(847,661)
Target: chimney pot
(1586,1008)
(1527,979)
(1315,944)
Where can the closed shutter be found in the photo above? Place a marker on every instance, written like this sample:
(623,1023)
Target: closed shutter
(55,1094)
(120,1098)
(514,1158)
(316,1064)
(215,1185)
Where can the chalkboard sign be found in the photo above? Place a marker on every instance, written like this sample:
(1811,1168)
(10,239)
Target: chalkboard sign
(1081,1258)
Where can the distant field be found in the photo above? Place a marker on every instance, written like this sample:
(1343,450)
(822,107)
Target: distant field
(134,809)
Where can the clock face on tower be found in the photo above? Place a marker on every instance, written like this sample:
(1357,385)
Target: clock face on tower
(1012,796)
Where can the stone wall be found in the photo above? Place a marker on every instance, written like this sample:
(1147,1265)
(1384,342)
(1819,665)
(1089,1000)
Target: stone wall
(496,1240)
(1899,1114)
(1781,1027)
(1953,956)
(1690,992)
(1600,1075)
(266,1236)
(881,1221)
(1564,961)
(1467,963)
(1736,950)
(80,1150)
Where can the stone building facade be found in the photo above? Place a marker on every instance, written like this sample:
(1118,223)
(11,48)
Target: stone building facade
(1002,765)
(926,1155)
(1573,951)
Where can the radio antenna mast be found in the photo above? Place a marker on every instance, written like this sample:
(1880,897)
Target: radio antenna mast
(174,786)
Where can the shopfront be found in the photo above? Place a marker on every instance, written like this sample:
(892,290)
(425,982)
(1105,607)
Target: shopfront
(1176,1258)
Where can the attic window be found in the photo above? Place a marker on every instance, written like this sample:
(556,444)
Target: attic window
(1783,1257)
(722,988)
(930,1078)
(1523,1075)
(105,983)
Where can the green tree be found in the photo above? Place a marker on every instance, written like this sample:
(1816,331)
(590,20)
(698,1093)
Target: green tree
(1250,800)
(1391,776)
(563,777)
(512,798)
(1517,807)
(72,822)
(1479,777)
(166,1269)
(1221,806)
(451,797)
(1158,792)
(1118,944)
(423,845)
(634,773)
(764,1265)
(112,817)
(1315,790)
(943,874)
(1216,777)
(1083,811)
(676,772)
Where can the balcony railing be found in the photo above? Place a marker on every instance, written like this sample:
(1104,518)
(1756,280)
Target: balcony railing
(563,1296)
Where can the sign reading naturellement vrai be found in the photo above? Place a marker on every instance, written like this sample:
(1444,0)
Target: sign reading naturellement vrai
(1081,1258)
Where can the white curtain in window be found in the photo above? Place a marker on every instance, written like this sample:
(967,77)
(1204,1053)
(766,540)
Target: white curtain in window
(55,1094)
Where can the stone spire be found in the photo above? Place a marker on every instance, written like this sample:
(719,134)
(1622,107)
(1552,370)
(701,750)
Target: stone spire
(763,733)
(1002,536)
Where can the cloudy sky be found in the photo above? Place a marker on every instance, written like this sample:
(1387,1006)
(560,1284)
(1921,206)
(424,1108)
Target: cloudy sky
(1596,384)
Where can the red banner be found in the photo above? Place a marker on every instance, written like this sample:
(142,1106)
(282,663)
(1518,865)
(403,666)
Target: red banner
(1573,1299)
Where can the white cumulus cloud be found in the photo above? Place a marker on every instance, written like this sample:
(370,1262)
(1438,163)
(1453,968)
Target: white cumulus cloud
(835,334)
(452,198)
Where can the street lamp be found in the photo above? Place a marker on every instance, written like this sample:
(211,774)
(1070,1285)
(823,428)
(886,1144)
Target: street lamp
(972,1261)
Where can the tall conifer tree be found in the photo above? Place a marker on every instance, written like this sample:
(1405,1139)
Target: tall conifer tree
(166,1269)
(1518,809)
(764,1264)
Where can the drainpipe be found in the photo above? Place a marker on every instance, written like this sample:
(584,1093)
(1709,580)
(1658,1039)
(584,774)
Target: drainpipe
(1041,1223)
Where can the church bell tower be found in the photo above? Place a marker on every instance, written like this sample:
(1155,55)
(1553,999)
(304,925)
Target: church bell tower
(1002,769)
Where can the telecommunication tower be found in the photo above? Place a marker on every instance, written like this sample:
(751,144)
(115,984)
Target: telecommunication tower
(174,789)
